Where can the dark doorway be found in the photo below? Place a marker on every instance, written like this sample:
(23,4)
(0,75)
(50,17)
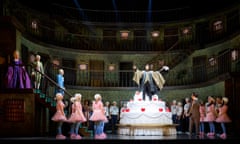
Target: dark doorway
(199,68)
(224,62)
(96,72)
(69,71)
(126,74)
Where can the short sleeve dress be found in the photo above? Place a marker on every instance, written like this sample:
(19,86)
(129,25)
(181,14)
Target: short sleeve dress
(98,112)
(78,115)
(59,116)
(222,115)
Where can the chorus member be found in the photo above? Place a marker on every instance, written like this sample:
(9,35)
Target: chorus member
(78,116)
(98,117)
(202,111)
(114,112)
(211,116)
(59,115)
(223,117)
(186,109)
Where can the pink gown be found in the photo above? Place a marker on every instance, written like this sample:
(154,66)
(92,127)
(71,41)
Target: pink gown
(98,112)
(59,116)
(77,115)
(210,114)
(222,115)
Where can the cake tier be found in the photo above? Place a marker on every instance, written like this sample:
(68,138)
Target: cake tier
(168,130)
(146,112)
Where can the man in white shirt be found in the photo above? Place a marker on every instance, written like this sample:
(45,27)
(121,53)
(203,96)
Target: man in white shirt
(186,108)
(114,112)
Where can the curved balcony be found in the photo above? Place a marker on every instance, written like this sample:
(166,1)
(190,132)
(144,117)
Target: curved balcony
(62,28)
(216,69)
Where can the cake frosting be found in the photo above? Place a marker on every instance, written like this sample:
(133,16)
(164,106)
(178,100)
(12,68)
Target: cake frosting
(147,111)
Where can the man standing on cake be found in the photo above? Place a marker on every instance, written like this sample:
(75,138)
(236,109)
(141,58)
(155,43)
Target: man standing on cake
(149,82)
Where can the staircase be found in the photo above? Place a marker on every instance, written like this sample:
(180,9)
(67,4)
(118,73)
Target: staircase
(171,59)
(50,103)
(84,131)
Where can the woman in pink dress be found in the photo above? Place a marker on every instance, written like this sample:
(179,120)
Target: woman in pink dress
(59,116)
(223,117)
(202,116)
(73,109)
(210,115)
(77,117)
(98,117)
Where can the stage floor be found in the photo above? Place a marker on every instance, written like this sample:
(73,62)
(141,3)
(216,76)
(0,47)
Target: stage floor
(123,139)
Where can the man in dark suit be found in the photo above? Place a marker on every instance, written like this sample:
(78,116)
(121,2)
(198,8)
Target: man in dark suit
(149,82)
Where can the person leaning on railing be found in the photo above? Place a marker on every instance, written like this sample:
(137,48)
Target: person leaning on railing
(60,82)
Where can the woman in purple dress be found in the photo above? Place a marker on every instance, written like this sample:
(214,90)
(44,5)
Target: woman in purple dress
(17,76)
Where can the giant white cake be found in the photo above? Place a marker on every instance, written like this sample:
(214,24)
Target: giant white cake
(145,112)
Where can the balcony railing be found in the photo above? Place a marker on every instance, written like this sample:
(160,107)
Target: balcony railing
(216,69)
(212,69)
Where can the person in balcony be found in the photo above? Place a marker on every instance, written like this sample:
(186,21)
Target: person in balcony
(149,82)
(17,75)
(59,115)
(38,71)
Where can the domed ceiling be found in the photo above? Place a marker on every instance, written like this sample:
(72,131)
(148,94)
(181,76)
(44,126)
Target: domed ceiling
(185,8)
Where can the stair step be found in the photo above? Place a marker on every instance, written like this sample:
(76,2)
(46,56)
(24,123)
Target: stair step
(53,104)
(85,132)
(42,95)
(48,102)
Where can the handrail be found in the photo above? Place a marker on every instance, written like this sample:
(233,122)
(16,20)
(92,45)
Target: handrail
(51,80)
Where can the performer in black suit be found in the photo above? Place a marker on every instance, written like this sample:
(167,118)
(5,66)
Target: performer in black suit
(149,81)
